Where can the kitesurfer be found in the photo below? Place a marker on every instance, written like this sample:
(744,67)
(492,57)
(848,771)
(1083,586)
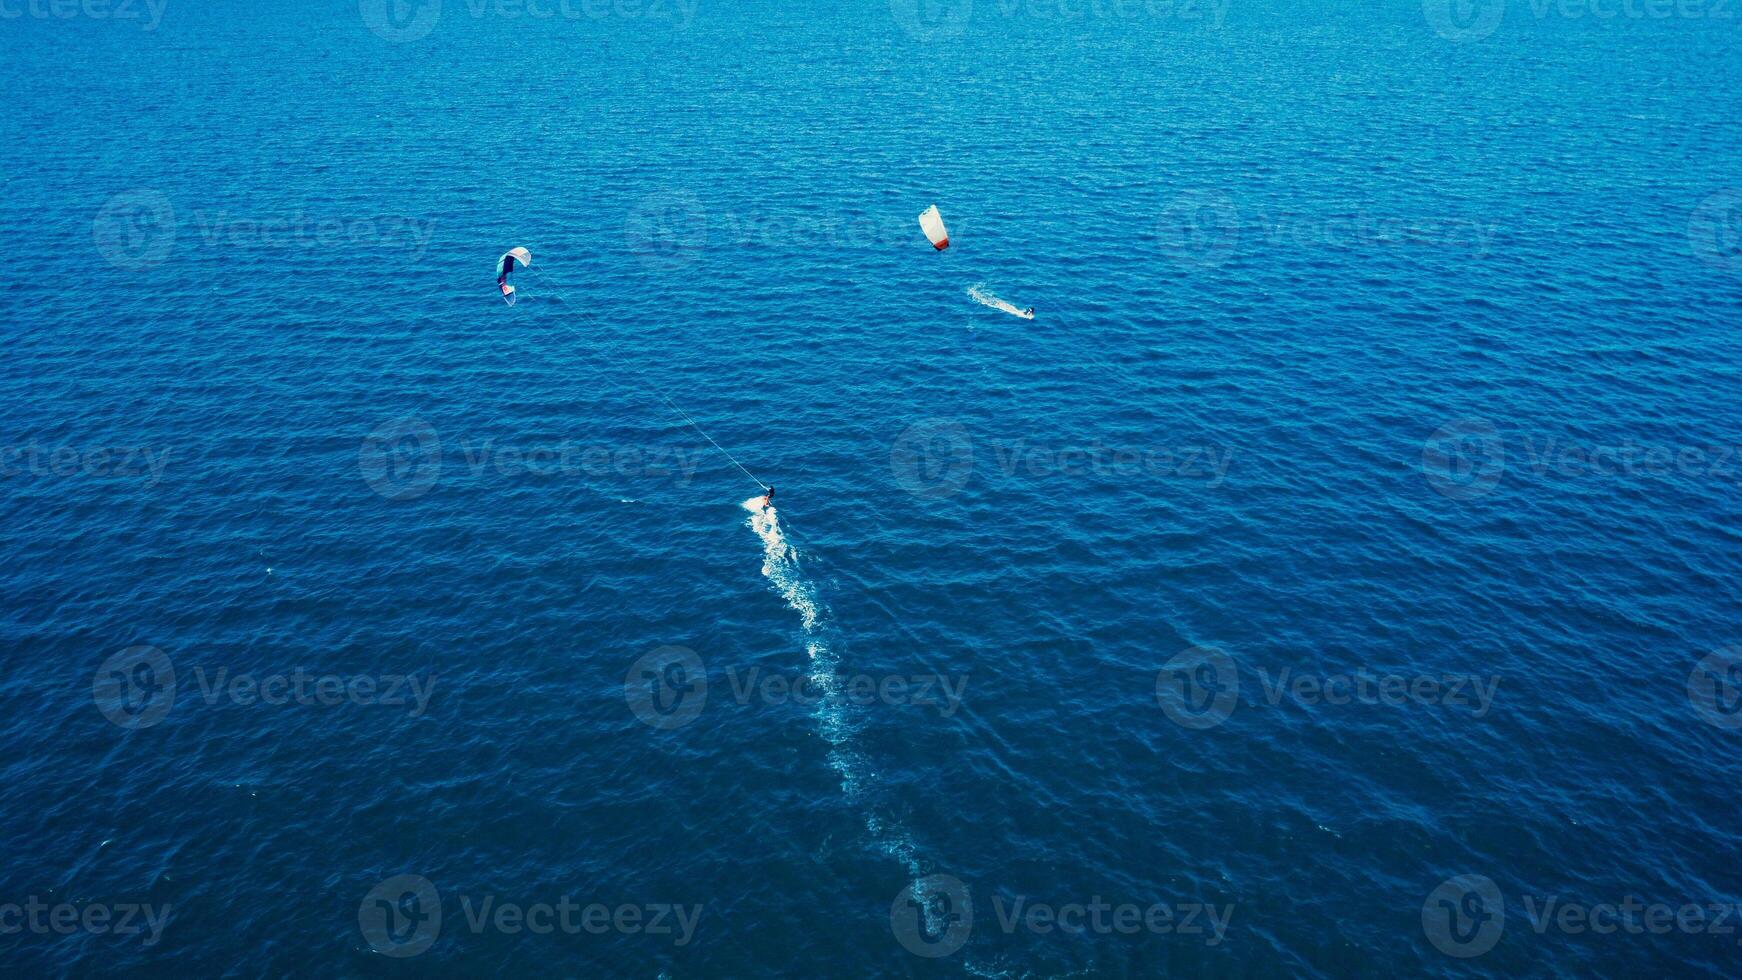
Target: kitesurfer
(768,498)
(514,258)
(1029,312)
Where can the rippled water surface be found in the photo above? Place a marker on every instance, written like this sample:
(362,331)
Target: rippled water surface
(1343,561)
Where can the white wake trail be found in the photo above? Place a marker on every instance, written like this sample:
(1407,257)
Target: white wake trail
(985,298)
(780,565)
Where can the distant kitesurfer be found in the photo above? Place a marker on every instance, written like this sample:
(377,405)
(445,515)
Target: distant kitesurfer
(768,498)
(1028,312)
(514,258)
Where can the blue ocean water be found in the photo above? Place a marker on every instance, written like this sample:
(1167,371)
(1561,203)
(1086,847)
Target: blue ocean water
(1337,573)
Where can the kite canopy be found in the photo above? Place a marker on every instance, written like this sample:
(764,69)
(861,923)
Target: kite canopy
(514,258)
(518,255)
(932,224)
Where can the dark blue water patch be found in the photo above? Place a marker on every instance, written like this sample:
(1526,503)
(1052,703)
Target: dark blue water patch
(1374,352)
